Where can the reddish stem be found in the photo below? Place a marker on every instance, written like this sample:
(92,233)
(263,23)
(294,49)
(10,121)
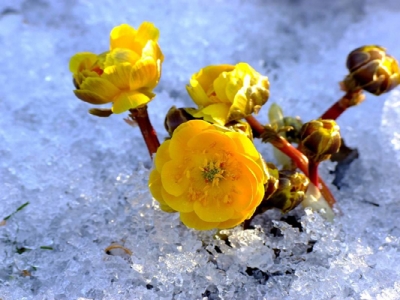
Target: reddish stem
(333,112)
(141,117)
(299,158)
(348,100)
(313,172)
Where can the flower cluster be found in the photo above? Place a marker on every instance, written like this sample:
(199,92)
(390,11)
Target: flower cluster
(214,179)
(209,170)
(126,74)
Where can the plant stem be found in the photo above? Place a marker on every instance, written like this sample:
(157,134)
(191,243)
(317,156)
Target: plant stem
(348,100)
(313,172)
(299,158)
(141,117)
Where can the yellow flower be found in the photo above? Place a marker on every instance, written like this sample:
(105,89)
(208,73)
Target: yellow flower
(213,179)
(125,75)
(227,93)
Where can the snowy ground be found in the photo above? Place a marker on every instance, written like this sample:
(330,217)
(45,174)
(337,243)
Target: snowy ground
(86,178)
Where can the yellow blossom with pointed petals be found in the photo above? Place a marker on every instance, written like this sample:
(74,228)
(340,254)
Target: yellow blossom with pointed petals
(126,74)
(214,179)
(227,93)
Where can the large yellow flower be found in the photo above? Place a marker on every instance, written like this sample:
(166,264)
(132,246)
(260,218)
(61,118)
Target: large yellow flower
(214,179)
(226,93)
(125,75)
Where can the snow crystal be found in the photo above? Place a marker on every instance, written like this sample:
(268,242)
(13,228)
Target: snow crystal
(91,229)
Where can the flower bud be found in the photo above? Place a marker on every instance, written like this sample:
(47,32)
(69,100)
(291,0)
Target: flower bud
(319,139)
(175,117)
(226,93)
(290,193)
(273,181)
(101,112)
(293,132)
(372,70)
(241,127)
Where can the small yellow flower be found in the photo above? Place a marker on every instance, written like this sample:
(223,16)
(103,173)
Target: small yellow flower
(227,93)
(126,74)
(213,179)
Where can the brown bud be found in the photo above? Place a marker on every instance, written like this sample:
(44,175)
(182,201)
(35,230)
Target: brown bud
(290,193)
(319,139)
(101,112)
(175,117)
(372,70)
(241,127)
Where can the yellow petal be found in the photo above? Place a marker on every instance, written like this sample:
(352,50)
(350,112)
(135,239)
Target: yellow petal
(215,210)
(82,60)
(243,190)
(155,185)
(166,208)
(231,223)
(152,49)
(207,75)
(244,145)
(122,36)
(197,93)
(101,87)
(218,113)
(173,178)
(129,100)
(144,74)
(213,142)
(119,56)
(91,97)
(119,75)
(147,31)
(162,155)
(182,134)
(220,84)
(253,166)
(180,203)
(191,220)
(234,85)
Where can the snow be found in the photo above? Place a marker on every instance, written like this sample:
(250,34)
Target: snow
(86,178)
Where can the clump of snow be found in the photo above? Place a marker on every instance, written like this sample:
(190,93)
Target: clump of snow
(85,178)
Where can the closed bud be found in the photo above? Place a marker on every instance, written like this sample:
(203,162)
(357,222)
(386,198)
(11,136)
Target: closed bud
(319,139)
(101,112)
(293,126)
(273,181)
(290,193)
(241,127)
(372,70)
(175,117)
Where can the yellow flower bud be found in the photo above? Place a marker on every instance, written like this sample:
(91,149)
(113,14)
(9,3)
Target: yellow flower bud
(126,74)
(372,70)
(226,93)
(319,139)
(213,178)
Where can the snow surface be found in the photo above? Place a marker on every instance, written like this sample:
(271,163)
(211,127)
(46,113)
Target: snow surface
(86,177)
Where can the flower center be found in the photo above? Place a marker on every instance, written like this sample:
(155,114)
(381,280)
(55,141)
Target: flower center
(212,172)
